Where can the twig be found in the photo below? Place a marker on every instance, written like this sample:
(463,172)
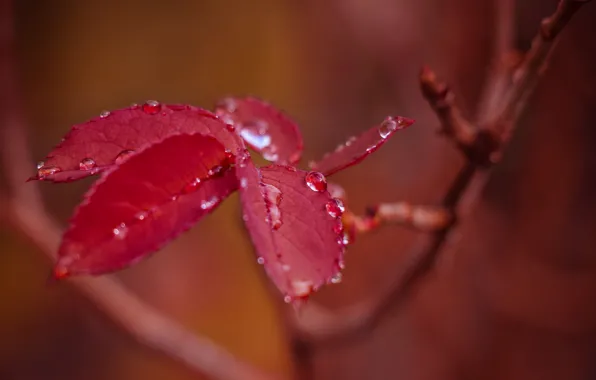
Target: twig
(26,213)
(317,326)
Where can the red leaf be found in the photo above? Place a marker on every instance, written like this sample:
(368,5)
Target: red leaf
(140,205)
(358,148)
(109,139)
(264,128)
(296,230)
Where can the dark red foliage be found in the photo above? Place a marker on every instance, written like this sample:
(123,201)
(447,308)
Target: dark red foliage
(145,202)
(358,148)
(296,230)
(166,166)
(264,128)
(98,144)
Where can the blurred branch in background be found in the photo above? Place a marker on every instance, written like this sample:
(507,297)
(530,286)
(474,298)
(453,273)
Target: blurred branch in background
(26,213)
(481,143)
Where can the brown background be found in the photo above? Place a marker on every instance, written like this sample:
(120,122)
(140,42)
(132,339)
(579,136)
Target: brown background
(515,299)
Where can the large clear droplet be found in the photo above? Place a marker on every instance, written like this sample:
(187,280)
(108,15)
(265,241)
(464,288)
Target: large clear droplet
(87,164)
(45,171)
(335,208)
(151,107)
(387,127)
(316,181)
(123,156)
(255,134)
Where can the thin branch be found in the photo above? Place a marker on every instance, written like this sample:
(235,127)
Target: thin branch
(419,217)
(318,326)
(442,101)
(534,64)
(504,59)
(25,212)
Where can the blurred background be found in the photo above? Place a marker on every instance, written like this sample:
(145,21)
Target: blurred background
(512,299)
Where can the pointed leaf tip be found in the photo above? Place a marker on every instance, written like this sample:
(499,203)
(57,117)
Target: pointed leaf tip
(138,206)
(356,149)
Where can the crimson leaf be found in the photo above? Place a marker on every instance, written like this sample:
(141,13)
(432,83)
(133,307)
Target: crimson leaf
(138,206)
(295,226)
(111,138)
(358,148)
(264,128)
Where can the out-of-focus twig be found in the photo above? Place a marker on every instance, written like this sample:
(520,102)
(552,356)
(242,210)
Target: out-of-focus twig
(23,210)
(316,325)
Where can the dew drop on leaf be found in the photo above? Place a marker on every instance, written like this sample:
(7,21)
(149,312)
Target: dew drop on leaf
(209,204)
(336,279)
(103,114)
(261,260)
(151,107)
(243,183)
(386,127)
(339,227)
(255,134)
(122,156)
(47,170)
(40,165)
(120,231)
(142,215)
(335,208)
(316,181)
(87,164)
(302,288)
(273,199)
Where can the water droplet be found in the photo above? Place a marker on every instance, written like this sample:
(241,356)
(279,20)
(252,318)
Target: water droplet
(285,267)
(229,124)
(103,114)
(87,164)
(245,217)
(255,134)
(336,279)
(123,156)
(316,181)
(273,198)
(229,158)
(174,197)
(141,215)
(338,148)
(287,299)
(387,127)
(302,288)
(350,141)
(291,169)
(45,171)
(120,231)
(260,260)
(338,228)
(210,203)
(225,105)
(270,153)
(40,165)
(243,183)
(335,208)
(216,171)
(341,264)
(151,107)
(243,159)
(192,186)
(134,106)
(344,239)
